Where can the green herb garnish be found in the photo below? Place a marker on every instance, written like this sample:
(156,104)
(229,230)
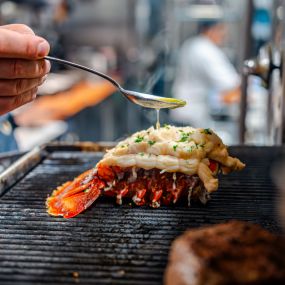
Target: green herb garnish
(191,148)
(207,131)
(139,139)
(184,137)
(151,142)
(141,154)
(175,147)
(166,126)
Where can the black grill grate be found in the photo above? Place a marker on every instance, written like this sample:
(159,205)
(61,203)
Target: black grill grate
(111,244)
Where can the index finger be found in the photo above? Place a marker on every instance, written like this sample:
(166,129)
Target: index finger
(27,46)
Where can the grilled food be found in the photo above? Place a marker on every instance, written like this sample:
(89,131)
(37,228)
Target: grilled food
(154,166)
(227,254)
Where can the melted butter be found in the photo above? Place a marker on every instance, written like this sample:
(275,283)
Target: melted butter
(157,119)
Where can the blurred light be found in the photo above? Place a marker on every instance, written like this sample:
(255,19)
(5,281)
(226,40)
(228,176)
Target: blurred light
(263,4)
(8,8)
(279,13)
(205,12)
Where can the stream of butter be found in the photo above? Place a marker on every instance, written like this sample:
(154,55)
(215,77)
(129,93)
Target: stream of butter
(157,119)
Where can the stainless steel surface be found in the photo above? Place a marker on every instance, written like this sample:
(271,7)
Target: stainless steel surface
(18,169)
(28,161)
(142,99)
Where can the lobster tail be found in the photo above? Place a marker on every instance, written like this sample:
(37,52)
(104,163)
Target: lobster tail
(75,196)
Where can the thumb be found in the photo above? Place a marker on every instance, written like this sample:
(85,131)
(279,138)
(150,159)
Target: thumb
(26,46)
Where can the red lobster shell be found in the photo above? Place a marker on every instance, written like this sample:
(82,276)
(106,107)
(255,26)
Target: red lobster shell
(150,187)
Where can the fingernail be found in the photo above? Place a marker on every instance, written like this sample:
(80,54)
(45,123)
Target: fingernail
(43,49)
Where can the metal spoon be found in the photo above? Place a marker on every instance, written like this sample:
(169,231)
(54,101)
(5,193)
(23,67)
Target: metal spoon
(145,100)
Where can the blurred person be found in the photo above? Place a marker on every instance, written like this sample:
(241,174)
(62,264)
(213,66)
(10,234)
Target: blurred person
(22,70)
(205,77)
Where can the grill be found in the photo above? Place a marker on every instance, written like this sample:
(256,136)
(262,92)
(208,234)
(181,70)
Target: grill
(109,244)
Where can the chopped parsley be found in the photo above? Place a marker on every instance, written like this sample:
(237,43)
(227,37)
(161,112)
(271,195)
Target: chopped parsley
(139,139)
(207,131)
(141,154)
(184,136)
(151,142)
(166,126)
(196,146)
(175,147)
(125,145)
(191,148)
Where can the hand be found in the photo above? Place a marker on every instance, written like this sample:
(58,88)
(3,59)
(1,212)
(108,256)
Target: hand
(22,67)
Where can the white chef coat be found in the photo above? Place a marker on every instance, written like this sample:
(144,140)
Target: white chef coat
(204,72)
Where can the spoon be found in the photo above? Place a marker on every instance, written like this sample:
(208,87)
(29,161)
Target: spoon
(142,99)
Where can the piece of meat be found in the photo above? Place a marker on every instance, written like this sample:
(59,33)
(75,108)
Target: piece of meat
(226,254)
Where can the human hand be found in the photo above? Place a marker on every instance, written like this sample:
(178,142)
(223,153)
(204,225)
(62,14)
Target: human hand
(22,67)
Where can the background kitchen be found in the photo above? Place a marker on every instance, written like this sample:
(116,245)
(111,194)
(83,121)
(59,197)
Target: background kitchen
(141,43)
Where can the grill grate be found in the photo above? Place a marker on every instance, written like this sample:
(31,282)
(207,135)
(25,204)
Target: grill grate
(111,244)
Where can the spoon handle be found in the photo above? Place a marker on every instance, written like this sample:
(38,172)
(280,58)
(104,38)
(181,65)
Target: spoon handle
(65,62)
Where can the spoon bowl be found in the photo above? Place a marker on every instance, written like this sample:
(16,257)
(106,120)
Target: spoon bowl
(152,101)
